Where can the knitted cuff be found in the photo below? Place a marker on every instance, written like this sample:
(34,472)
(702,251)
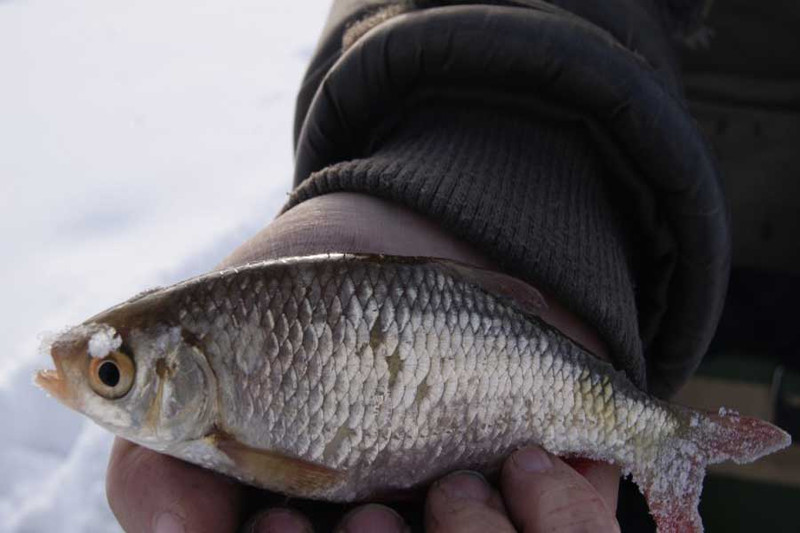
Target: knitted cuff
(527,191)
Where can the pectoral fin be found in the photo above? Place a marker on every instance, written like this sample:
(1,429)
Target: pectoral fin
(277,471)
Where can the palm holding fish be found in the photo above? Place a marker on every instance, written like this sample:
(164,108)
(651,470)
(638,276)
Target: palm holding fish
(491,371)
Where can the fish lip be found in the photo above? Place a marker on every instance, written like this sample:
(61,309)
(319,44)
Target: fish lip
(53,382)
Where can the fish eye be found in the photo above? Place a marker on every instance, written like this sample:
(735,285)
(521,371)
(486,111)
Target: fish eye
(108,373)
(112,376)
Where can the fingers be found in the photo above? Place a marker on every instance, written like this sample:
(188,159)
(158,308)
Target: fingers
(372,518)
(542,493)
(602,476)
(278,521)
(150,492)
(464,502)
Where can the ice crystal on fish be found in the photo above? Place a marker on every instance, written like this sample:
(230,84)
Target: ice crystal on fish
(103,342)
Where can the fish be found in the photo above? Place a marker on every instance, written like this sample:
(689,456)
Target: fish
(343,376)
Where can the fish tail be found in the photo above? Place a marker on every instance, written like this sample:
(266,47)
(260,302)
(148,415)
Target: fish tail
(673,481)
(741,439)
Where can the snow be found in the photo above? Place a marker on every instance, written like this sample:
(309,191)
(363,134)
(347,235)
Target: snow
(103,342)
(142,141)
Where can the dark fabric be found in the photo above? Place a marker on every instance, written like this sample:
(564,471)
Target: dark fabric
(744,91)
(643,26)
(529,192)
(550,65)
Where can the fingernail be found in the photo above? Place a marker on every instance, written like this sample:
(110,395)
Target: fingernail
(465,485)
(532,459)
(278,520)
(372,517)
(169,523)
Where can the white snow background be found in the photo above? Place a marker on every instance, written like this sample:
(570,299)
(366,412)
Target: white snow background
(140,142)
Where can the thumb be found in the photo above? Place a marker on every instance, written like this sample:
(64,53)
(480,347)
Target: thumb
(542,493)
(148,491)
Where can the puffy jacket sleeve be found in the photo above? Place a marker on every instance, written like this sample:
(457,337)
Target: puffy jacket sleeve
(553,136)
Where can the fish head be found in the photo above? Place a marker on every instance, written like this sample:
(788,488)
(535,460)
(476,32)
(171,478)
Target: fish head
(149,385)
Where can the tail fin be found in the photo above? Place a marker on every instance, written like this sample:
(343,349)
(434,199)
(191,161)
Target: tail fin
(740,439)
(673,481)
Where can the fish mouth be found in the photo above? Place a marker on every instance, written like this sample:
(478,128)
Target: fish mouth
(53,382)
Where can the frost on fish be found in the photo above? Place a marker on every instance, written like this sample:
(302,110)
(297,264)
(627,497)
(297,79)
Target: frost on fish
(339,377)
(673,481)
(104,341)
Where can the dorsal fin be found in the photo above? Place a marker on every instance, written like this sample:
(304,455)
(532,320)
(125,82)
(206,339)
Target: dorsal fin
(523,295)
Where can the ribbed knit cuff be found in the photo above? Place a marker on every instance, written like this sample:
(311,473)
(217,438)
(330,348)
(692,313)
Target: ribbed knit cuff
(527,191)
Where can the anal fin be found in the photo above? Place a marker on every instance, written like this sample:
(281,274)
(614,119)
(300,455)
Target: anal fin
(673,496)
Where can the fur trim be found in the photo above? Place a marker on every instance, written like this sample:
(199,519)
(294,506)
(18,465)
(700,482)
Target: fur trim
(357,29)
(682,18)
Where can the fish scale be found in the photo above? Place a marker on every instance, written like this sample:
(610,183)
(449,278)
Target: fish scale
(341,377)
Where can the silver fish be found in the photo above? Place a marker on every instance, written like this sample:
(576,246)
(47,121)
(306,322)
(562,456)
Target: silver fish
(340,377)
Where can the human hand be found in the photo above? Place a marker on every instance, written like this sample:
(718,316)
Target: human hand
(540,493)
(151,492)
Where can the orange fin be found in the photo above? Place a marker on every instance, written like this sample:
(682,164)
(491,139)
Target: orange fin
(523,295)
(672,483)
(278,471)
(742,439)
